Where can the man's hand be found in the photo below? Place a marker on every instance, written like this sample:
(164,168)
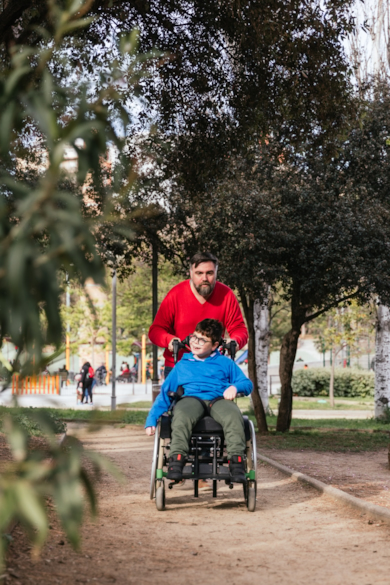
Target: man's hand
(230,393)
(150,431)
(170,345)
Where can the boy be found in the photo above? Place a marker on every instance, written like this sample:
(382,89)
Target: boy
(206,374)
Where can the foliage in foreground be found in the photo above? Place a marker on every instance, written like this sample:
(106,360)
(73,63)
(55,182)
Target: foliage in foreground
(348,382)
(45,108)
(54,471)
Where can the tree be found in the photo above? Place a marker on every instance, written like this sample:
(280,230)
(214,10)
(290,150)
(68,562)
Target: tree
(342,328)
(135,302)
(285,223)
(89,319)
(364,166)
(288,80)
(235,69)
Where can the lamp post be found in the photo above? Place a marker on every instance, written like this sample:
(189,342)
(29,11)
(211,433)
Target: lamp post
(113,367)
(155,384)
(154,308)
(67,344)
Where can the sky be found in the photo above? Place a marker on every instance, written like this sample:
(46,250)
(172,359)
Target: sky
(370,45)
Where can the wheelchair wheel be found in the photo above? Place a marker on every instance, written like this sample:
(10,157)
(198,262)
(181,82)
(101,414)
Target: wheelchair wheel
(154,462)
(160,496)
(250,487)
(250,491)
(253,441)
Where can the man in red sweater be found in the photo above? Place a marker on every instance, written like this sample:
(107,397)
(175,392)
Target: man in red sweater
(188,303)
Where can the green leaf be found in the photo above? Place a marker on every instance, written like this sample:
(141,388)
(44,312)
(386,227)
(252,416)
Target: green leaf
(31,510)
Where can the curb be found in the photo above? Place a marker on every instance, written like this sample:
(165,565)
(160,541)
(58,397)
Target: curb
(372,510)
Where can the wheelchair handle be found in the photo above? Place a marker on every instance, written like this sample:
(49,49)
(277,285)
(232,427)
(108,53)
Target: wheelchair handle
(177,346)
(231,347)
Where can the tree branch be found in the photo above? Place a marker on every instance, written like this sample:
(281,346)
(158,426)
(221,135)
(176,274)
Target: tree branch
(334,304)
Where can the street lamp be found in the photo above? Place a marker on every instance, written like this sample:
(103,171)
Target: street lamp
(113,367)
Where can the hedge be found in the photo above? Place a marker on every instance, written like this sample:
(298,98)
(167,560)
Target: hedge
(348,382)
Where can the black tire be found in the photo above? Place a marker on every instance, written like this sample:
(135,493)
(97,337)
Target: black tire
(160,496)
(251,490)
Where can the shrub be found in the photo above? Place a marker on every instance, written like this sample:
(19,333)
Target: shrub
(348,382)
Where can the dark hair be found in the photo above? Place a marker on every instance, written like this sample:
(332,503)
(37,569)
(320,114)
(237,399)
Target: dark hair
(200,257)
(211,328)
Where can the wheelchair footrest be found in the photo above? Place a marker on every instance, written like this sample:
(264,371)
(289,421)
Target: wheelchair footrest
(206,472)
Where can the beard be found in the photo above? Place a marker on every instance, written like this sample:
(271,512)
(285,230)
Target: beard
(205,289)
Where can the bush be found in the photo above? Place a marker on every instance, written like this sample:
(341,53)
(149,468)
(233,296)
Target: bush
(348,382)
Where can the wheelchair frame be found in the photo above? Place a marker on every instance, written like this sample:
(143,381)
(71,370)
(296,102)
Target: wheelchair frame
(206,467)
(213,467)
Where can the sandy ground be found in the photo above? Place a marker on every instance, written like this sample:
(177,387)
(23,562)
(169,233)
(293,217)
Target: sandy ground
(295,536)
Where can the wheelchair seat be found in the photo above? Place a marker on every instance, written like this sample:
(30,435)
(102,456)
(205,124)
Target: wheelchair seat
(207,425)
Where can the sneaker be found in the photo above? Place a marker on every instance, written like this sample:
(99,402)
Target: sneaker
(237,469)
(204,485)
(175,467)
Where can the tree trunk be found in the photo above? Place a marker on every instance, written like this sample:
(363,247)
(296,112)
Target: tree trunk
(331,384)
(288,352)
(382,362)
(256,400)
(262,336)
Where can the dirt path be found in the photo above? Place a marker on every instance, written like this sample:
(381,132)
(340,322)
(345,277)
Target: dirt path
(294,537)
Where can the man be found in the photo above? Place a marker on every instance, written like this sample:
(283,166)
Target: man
(187,303)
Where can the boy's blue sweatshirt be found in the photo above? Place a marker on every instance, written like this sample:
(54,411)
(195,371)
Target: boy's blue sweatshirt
(206,379)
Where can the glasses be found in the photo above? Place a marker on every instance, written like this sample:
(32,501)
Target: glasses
(199,340)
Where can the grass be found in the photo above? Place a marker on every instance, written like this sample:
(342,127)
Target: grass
(336,441)
(140,404)
(341,423)
(317,403)
(330,435)
(95,416)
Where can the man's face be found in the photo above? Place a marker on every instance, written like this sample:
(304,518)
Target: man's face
(204,277)
(201,345)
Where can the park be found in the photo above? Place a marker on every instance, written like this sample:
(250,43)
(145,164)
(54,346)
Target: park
(194,292)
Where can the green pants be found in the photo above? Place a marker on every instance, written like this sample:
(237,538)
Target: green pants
(189,410)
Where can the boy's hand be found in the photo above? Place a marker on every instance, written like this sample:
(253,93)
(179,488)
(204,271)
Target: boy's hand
(150,431)
(230,393)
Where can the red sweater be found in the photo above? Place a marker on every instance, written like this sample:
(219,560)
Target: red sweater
(181,311)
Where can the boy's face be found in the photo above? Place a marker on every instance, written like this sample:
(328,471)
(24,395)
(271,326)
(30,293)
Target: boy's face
(201,345)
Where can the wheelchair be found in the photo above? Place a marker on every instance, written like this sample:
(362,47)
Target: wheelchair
(207,457)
